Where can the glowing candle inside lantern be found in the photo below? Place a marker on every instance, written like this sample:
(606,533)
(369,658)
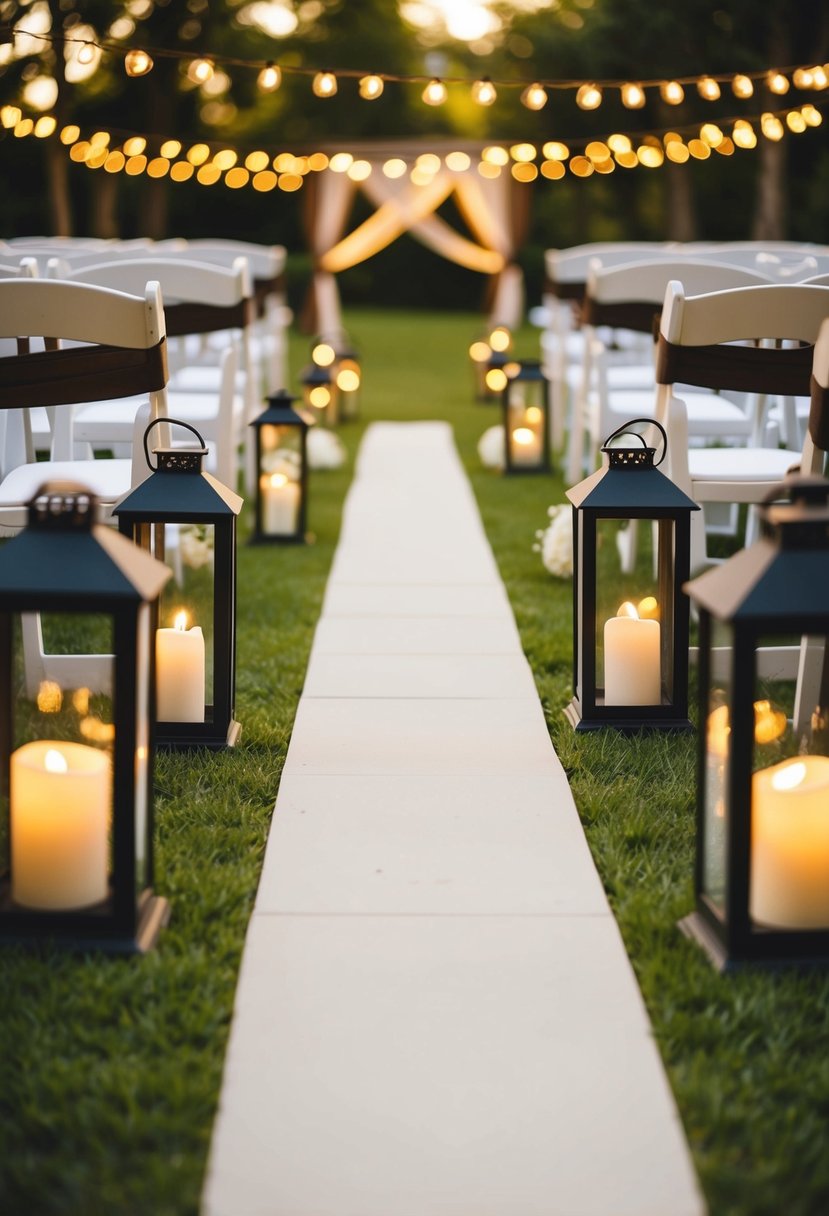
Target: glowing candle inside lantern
(280,503)
(60,808)
(632,659)
(526,446)
(790,844)
(179,658)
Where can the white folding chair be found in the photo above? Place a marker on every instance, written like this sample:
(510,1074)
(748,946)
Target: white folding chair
(702,342)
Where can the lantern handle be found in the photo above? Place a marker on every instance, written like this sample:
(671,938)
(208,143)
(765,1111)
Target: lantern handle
(625,430)
(174,422)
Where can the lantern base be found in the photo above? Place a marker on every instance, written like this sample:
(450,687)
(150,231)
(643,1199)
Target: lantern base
(30,930)
(627,726)
(295,538)
(697,929)
(190,735)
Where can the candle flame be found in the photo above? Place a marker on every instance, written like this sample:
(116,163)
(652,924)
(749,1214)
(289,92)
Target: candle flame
(629,610)
(180,622)
(790,777)
(533,413)
(278,480)
(523,436)
(55,761)
(648,608)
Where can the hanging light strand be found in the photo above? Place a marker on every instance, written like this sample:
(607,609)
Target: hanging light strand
(805,77)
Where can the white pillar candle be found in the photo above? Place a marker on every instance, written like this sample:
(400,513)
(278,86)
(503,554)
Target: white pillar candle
(526,446)
(60,810)
(632,659)
(179,661)
(280,503)
(790,844)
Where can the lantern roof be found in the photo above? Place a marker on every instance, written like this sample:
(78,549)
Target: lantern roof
(784,575)
(180,496)
(79,566)
(625,489)
(280,411)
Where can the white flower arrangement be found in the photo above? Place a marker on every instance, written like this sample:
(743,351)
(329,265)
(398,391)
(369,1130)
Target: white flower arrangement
(325,449)
(555,542)
(196,546)
(491,448)
(284,461)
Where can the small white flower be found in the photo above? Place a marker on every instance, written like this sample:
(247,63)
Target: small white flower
(284,461)
(196,546)
(557,541)
(491,448)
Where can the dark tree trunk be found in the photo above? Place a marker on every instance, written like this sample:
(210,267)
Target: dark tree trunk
(104,205)
(770,216)
(682,218)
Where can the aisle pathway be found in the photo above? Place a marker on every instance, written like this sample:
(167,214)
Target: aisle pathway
(435,1013)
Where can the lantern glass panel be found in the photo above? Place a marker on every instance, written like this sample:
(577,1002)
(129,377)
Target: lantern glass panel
(280,470)
(185,667)
(789,866)
(61,791)
(717,769)
(634,650)
(525,423)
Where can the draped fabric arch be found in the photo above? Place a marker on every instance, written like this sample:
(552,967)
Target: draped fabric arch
(487,205)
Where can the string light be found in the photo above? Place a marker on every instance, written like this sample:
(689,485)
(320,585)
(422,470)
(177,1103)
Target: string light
(742,86)
(743,134)
(633,96)
(200,71)
(270,78)
(772,127)
(777,83)
(820,80)
(137,63)
(534,97)
(324,84)
(589,97)
(371,87)
(672,92)
(484,92)
(708,88)
(802,78)
(87,53)
(435,93)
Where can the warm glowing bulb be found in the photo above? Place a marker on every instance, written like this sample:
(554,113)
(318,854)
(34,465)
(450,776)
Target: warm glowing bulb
(324,84)
(270,78)
(672,92)
(648,608)
(708,88)
(589,97)
(523,436)
(769,723)
(323,354)
(772,127)
(41,93)
(479,352)
(200,71)
(319,397)
(348,380)
(795,122)
(395,167)
(741,86)
(87,53)
(180,622)
(370,87)
(435,93)
(483,91)
(820,79)
(711,133)
(802,78)
(776,82)
(500,339)
(10,116)
(496,380)
(55,761)
(633,96)
(813,116)
(743,134)
(533,414)
(534,97)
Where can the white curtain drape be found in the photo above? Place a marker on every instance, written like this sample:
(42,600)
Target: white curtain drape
(402,206)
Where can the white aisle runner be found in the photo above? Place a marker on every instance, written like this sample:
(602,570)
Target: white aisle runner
(435,1013)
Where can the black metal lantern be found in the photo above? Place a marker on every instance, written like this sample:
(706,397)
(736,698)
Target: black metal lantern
(187,518)
(480,352)
(762,859)
(526,414)
(630,631)
(320,393)
(76,731)
(281,471)
(349,378)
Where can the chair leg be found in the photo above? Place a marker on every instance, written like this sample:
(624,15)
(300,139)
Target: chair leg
(812,691)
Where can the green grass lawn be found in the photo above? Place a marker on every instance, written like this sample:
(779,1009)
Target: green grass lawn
(109,1068)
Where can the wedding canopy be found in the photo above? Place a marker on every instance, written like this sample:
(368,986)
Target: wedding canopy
(495,209)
